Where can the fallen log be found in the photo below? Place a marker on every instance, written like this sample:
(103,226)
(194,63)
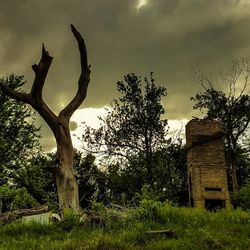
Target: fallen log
(8,217)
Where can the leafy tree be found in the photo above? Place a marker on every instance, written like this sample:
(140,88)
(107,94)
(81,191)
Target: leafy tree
(133,127)
(18,134)
(133,139)
(37,178)
(170,176)
(231,107)
(243,163)
(12,198)
(22,162)
(242,197)
(91,179)
(125,182)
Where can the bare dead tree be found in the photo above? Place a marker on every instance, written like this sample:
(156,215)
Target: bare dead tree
(67,187)
(230,106)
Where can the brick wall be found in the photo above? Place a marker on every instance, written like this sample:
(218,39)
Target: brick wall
(206,162)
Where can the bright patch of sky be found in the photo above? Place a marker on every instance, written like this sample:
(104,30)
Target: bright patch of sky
(90,117)
(141,3)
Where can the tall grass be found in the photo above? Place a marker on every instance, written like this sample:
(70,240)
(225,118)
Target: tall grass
(126,229)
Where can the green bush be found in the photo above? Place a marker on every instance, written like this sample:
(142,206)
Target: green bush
(194,229)
(98,207)
(156,211)
(242,197)
(99,215)
(70,220)
(15,198)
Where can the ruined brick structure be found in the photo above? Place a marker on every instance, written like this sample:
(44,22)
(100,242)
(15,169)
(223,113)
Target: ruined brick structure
(207,175)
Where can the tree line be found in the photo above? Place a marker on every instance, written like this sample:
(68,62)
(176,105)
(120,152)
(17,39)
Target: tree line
(139,157)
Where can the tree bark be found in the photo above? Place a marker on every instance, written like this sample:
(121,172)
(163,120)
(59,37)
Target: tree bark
(235,186)
(65,175)
(66,182)
(66,178)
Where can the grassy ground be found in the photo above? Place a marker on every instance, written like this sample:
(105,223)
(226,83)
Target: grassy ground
(112,229)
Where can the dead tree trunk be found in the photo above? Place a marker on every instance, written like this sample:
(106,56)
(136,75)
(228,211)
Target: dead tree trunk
(67,186)
(235,186)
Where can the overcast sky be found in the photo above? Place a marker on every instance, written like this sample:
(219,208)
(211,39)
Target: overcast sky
(168,37)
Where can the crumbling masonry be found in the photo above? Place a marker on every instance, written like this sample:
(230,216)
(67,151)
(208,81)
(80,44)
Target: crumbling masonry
(207,177)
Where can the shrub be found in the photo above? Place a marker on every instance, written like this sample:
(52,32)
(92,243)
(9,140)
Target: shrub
(242,197)
(15,198)
(98,207)
(99,215)
(70,220)
(151,210)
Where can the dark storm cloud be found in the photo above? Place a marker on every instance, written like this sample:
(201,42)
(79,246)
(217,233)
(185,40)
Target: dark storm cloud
(168,37)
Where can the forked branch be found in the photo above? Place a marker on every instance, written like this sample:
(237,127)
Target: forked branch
(35,99)
(84,79)
(41,71)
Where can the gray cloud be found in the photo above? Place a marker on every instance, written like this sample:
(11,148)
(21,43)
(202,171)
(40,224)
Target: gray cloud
(168,37)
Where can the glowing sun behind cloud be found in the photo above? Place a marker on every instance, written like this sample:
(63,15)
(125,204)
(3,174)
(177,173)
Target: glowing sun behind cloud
(141,3)
(90,117)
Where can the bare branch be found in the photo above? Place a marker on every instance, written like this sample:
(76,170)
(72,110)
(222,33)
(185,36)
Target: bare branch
(211,86)
(245,74)
(41,71)
(35,96)
(83,80)
(46,113)
(199,76)
(241,131)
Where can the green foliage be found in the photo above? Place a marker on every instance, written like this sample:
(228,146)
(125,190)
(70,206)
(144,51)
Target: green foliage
(243,162)
(70,219)
(230,106)
(134,125)
(37,177)
(133,139)
(194,229)
(242,197)
(127,181)
(147,193)
(150,210)
(21,160)
(19,228)
(98,207)
(18,135)
(101,216)
(15,198)
(91,179)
